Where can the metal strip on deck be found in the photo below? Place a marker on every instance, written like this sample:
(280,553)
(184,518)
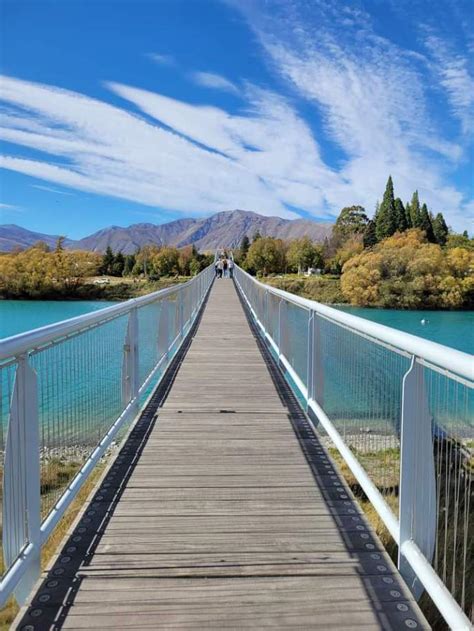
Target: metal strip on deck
(224,512)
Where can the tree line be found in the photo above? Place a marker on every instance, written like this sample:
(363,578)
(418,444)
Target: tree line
(40,271)
(154,262)
(405,257)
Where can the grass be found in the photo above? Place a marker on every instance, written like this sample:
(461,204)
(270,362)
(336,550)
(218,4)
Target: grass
(53,478)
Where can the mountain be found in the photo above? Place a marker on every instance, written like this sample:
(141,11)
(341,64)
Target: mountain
(224,229)
(13,237)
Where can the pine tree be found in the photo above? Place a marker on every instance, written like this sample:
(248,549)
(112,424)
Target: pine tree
(107,261)
(400,215)
(119,264)
(425,224)
(244,246)
(440,229)
(129,264)
(370,236)
(385,224)
(415,211)
(256,236)
(408,215)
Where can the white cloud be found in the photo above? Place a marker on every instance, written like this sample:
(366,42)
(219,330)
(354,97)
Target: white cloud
(453,72)
(370,96)
(50,189)
(162,60)
(11,208)
(212,161)
(215,81)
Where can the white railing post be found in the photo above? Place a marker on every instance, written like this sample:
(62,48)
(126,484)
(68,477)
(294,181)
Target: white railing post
(163,328)
(283,328)
(180,312)
(310,358)
(21,482)
(417,506)
(130,362)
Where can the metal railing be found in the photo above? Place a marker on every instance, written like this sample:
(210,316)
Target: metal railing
(398,411)
(68,391)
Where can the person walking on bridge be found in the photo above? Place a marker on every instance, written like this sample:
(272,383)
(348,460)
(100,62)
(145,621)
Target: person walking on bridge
(220,268)
(231,268)
(226,266)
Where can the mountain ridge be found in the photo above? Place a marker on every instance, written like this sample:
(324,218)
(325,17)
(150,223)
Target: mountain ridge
(223,229)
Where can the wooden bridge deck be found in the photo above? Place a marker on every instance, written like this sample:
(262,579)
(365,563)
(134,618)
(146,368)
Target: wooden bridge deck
(225,513)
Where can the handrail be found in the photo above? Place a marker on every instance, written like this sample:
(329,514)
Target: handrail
(22,342)
(420,456)
(116,365)
(443,356)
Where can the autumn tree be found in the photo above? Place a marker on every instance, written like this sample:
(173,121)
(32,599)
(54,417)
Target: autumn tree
(406,271)
(266,255)
(166,261)
(301,254)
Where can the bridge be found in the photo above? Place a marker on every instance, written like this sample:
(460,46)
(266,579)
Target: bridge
(215,411)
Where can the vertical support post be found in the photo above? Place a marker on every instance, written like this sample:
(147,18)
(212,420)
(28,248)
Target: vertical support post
(318,362)
(130,365)
(309,358)
(163,330)
(283,328)
(180,312)
(21,483)
(265,312)
(418,507)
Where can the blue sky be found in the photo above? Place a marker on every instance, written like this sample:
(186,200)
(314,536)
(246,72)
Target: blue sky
(124,111)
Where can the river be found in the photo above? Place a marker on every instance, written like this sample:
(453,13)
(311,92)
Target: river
(451,328)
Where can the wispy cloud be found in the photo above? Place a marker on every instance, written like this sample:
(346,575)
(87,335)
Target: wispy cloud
(162,60)
(371,96)
(11,207)
(50,189)
(452,70)
(265,161)
(215,81)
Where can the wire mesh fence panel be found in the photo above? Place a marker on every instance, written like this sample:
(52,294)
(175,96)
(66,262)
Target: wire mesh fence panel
(362,396)
(451,402)
(408,422)
(296,321)
(149,352)
(68,393)
(273,317)
(7,380)
(79,398)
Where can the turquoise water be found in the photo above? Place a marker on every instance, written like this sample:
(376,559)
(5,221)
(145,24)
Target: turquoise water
(451,328)
(17,316)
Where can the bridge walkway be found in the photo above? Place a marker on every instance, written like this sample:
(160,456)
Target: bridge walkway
(223,512)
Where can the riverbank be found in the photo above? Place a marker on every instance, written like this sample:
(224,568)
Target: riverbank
(325,288)
(107,288)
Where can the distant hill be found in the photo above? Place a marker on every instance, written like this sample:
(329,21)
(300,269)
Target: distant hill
(224,229)
(14,237)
